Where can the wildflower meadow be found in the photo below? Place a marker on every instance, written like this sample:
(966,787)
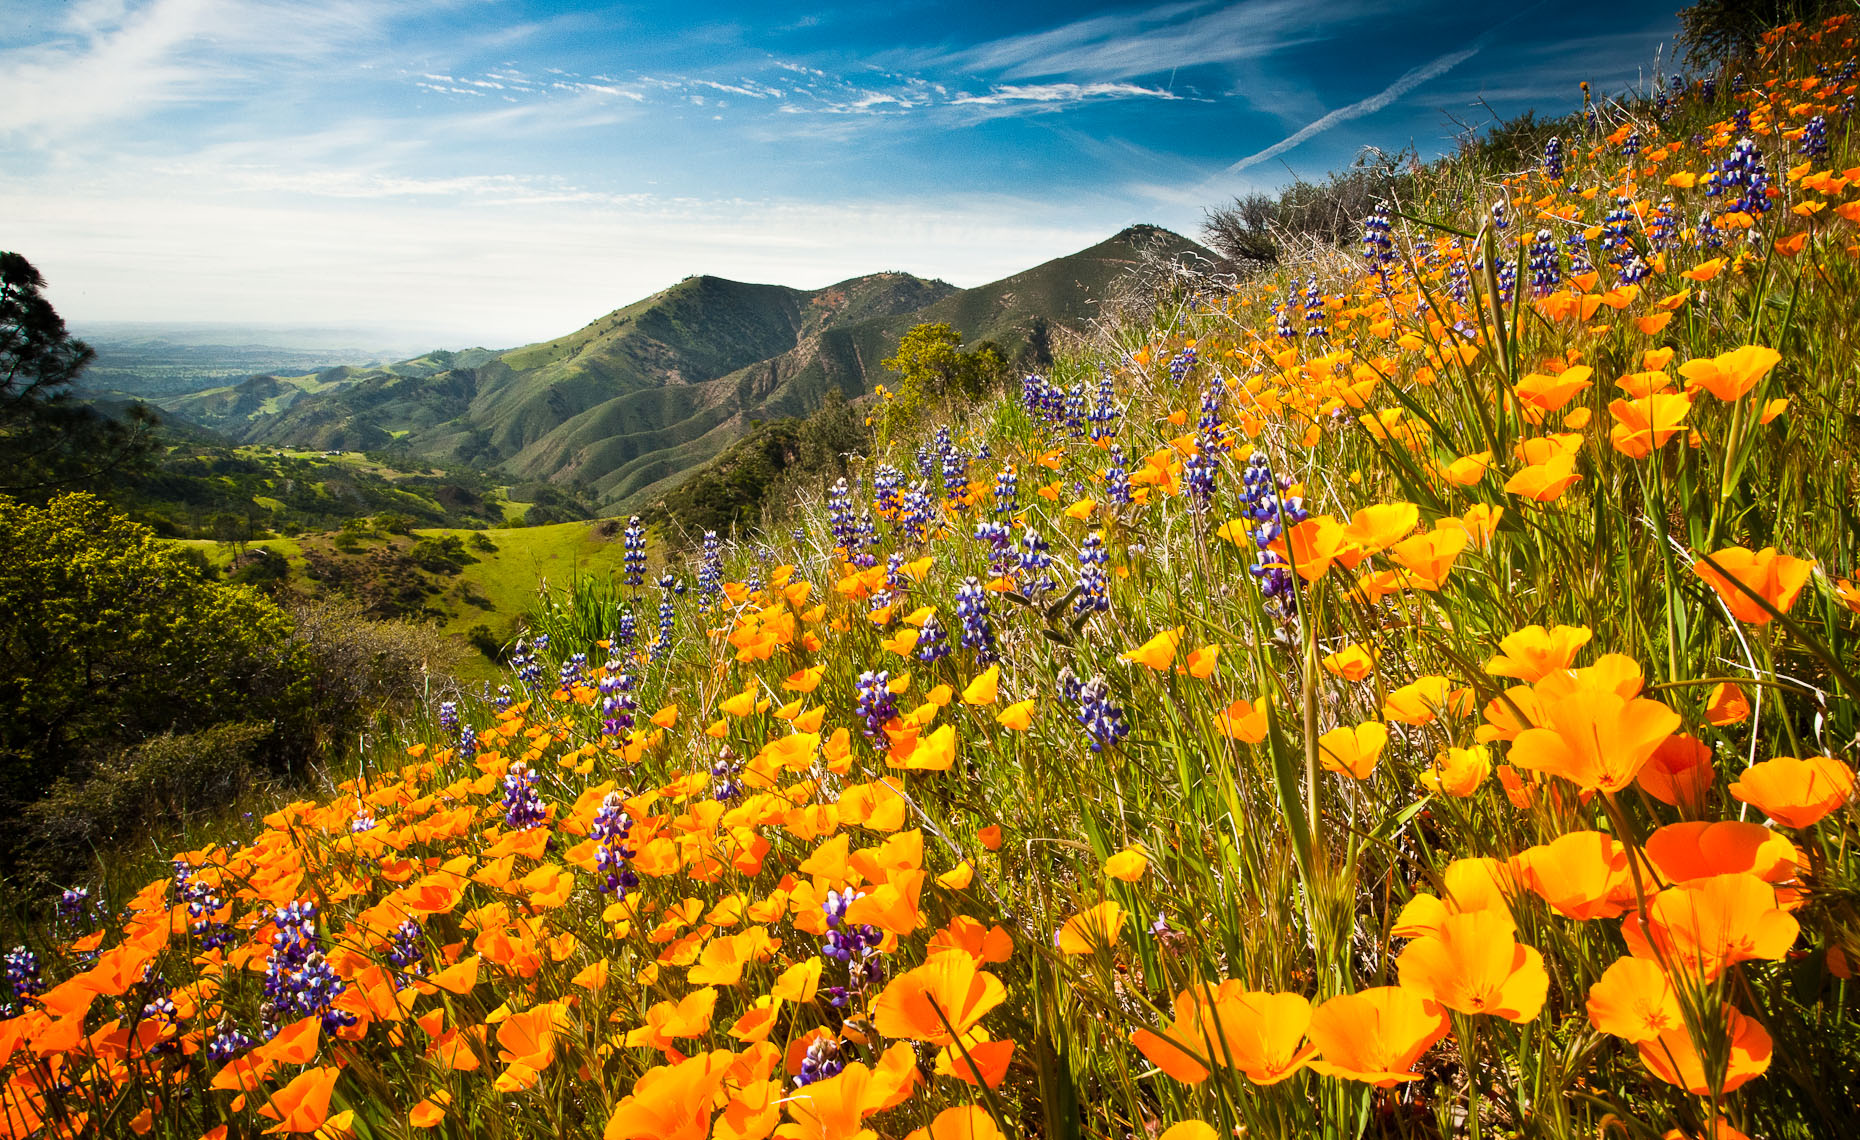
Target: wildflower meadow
(1411,693)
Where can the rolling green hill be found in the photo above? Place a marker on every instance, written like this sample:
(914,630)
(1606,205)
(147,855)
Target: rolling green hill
(633,403)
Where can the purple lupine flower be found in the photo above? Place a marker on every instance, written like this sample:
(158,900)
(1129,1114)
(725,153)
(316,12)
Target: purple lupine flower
(1117,480)
(1104,410)
(1094,582)
(406,953)
(932,642)
(972,613)
(887,490)
(877,706)
(19,975)
(710,571)
(668,618)
(635,545)
(570,673)
(611,827)
(821,1061)
(299,981)
(617,703)
(1546,264)
(868,538)
(1032,561)
(1378,240)
(1815,138)
(1007,487)
(1314,310)
(1100,717)
(855,947)
(915,516)
(954,463)
(839,518)
(523,806)
(227,1043)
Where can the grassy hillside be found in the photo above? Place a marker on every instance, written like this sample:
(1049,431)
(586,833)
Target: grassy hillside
(1407,695)
(200,489)
(494,585)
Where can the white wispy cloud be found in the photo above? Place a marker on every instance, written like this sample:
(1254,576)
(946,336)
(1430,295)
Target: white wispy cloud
(1059,93)
(116,62)
(1156,40)
(1409,80)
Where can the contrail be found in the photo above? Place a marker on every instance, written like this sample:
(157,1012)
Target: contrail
(1408,82)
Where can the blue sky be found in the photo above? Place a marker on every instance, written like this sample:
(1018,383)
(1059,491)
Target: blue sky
(494,171)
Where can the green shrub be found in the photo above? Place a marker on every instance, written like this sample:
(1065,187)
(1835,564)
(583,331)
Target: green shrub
(112,640)
(171,777)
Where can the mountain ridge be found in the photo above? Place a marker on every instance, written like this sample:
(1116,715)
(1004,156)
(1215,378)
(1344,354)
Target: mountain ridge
(638,398)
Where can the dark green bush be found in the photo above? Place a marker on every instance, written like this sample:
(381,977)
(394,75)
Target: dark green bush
(132,686)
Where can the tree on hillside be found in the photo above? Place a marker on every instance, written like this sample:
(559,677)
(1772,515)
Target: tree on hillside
(932,367)
(49,441)
(1241,232)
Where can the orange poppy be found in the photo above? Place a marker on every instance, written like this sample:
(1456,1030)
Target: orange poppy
(1242,720)
(1314,544)
(976,1062)
(1795,792)
(303,1104)
(1550,393)
(1475,965)
(1158,652)
(1375,1035)
(1596,740)
(1229,1026)
(1726,705)
(1729,375)
(1429,557)
(836,1108)
(983,943)
(984,688)
(966,1122)
(671,1102)
(1353,662)
(1467,469)
(1697,850)
(1458,771)
(1706,924)
(1017,717)
(1090,929)
(1533,653)
(1353,751)
(1378,527)
(1634,999)
(1674,1058)
(948,993)
(430,1111)
(1190,1130)
(1582,875)
(1544,482)
(1643,426)
(1417,703)
(1776,578)
(1128,865)
(1679,772)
